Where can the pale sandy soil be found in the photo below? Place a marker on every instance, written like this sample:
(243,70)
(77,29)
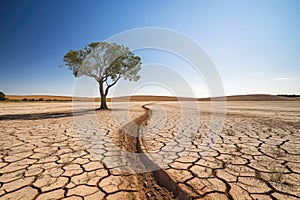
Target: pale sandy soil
(49,152)
(256,156)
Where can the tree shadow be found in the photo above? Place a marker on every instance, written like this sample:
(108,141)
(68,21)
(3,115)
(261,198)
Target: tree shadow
(47,115)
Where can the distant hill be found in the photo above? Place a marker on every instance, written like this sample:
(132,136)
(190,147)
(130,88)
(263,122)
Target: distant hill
(68,98)
(152,98)
(46,98)
(254,97)
(289,95)
(251,97)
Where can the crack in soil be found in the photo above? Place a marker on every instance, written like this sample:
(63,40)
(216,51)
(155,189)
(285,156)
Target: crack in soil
(154,184)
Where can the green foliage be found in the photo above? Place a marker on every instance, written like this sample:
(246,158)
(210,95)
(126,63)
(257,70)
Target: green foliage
(289,95)
(2,96)
(230,132)
(105,62)
(276,176)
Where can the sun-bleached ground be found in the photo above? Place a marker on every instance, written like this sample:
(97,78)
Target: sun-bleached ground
(49,151)
(256,156)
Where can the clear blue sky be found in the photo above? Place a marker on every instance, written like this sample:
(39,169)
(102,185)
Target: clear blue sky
(255,44)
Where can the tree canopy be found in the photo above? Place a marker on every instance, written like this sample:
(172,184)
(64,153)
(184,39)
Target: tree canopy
(2,96)
(105,62)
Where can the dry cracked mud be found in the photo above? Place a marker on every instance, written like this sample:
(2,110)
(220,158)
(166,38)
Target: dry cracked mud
(49,151)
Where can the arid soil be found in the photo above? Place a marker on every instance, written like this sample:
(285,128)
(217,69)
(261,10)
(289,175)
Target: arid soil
(51,151)
(252,97)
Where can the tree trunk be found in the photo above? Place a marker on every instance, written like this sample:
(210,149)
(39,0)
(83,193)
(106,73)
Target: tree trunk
(103,96)
(103,102)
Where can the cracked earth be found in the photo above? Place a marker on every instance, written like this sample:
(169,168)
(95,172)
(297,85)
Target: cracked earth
(49,151)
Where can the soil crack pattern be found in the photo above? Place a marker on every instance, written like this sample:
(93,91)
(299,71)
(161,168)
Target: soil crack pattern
(44,154)
(156,184)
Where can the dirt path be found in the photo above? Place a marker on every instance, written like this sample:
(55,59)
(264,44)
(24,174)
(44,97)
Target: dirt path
(156,184)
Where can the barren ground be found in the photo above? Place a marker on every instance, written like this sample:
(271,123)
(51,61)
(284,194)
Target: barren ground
(48,151)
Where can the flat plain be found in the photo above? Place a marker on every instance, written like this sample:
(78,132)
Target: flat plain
(163,150)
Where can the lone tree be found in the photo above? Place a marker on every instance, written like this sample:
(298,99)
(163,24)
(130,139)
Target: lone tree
(2,96)
(106,62)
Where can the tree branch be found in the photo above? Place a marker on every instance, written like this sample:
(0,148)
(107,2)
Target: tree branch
(94,76)
(112,84)
(105,78)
